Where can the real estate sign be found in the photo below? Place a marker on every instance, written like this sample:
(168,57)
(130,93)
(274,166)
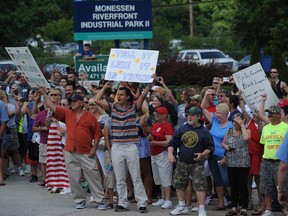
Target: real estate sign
(112,20)
(95,68)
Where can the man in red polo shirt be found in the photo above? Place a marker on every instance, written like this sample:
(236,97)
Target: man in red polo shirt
(82,130)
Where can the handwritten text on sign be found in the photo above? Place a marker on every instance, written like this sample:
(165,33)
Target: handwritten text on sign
(253,83)
(24,60)
(131,65)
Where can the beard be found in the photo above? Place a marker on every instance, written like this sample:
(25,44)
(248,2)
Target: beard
(191,123)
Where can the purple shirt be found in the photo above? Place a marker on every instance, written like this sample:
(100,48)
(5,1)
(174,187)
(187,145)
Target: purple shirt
(40,121)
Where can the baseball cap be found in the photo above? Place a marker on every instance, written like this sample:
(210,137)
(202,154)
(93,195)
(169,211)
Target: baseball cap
(274,109)
(196,97)
(159,89)
(162,110)
(77,97)
(195,110)
(283,103)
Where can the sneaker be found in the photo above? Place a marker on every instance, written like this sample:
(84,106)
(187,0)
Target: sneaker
(195,209)
(267,213)
(167,205)
(66,191)
(179,210)
(105,206)
(160,202)
(81,205)
(21,171)
(120,208)
(202,213)
(13,169)
(27,168)
(225,201)
(91,200)
(208,200)
(142,209)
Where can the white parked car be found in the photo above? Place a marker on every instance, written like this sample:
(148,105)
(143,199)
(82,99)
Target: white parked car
(206,56)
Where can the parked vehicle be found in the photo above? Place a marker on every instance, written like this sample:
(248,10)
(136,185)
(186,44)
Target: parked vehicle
(8,65)
(208,56)
(73,47)
(244,62)
(59,67)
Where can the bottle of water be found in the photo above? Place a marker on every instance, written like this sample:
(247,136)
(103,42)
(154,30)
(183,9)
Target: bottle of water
(110,167)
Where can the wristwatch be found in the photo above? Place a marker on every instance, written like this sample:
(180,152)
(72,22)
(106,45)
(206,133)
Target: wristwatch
(279,191)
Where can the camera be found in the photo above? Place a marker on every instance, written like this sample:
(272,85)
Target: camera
(158,79)
(226,79)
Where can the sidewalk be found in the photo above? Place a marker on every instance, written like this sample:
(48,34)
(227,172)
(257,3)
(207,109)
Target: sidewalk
(21,198)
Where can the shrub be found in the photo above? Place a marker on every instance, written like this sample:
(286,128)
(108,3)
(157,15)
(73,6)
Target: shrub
(189,73)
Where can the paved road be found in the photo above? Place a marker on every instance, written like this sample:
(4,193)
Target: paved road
(21,198)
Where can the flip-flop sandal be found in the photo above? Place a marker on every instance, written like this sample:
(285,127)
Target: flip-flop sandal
(219,208)
(257,212)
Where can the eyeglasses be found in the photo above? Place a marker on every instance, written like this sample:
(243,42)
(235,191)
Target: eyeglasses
(221,96)
(54,95)
(273,72)
(86,102)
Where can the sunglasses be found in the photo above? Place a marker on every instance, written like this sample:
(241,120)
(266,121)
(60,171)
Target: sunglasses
(62,104)
(86,102)
(91,104)
(54,95)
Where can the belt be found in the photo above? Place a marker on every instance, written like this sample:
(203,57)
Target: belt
(271,160)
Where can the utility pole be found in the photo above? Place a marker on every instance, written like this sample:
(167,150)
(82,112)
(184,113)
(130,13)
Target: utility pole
(191,18)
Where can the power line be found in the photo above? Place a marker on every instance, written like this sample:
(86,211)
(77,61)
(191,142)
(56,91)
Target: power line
(193,3)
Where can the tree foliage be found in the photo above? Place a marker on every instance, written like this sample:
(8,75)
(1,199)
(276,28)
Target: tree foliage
(261,20)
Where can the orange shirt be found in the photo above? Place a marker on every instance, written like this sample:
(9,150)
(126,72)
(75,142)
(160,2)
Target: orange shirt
(79,134)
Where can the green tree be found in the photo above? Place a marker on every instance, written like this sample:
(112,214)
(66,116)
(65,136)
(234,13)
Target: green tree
(261,20)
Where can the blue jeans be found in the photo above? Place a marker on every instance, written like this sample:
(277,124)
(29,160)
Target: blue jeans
(219,173)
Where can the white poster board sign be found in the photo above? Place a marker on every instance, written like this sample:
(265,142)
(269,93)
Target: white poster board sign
(253,83)
(131,65)
(24,60)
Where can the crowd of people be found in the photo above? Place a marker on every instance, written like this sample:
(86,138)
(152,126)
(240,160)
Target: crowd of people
(126,142)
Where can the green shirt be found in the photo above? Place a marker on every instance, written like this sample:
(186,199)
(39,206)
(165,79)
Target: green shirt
(271,137)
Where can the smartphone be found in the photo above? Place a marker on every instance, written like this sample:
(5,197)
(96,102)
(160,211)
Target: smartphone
(158,79)
(226,79)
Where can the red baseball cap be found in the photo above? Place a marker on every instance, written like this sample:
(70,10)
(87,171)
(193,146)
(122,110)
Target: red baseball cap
(162,110)
(283,103)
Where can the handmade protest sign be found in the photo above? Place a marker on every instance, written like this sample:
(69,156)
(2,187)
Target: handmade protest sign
(131,65)
(24,60)
(253,83)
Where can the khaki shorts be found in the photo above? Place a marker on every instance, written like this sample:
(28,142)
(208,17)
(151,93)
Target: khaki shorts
(110,179)
(43,153)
